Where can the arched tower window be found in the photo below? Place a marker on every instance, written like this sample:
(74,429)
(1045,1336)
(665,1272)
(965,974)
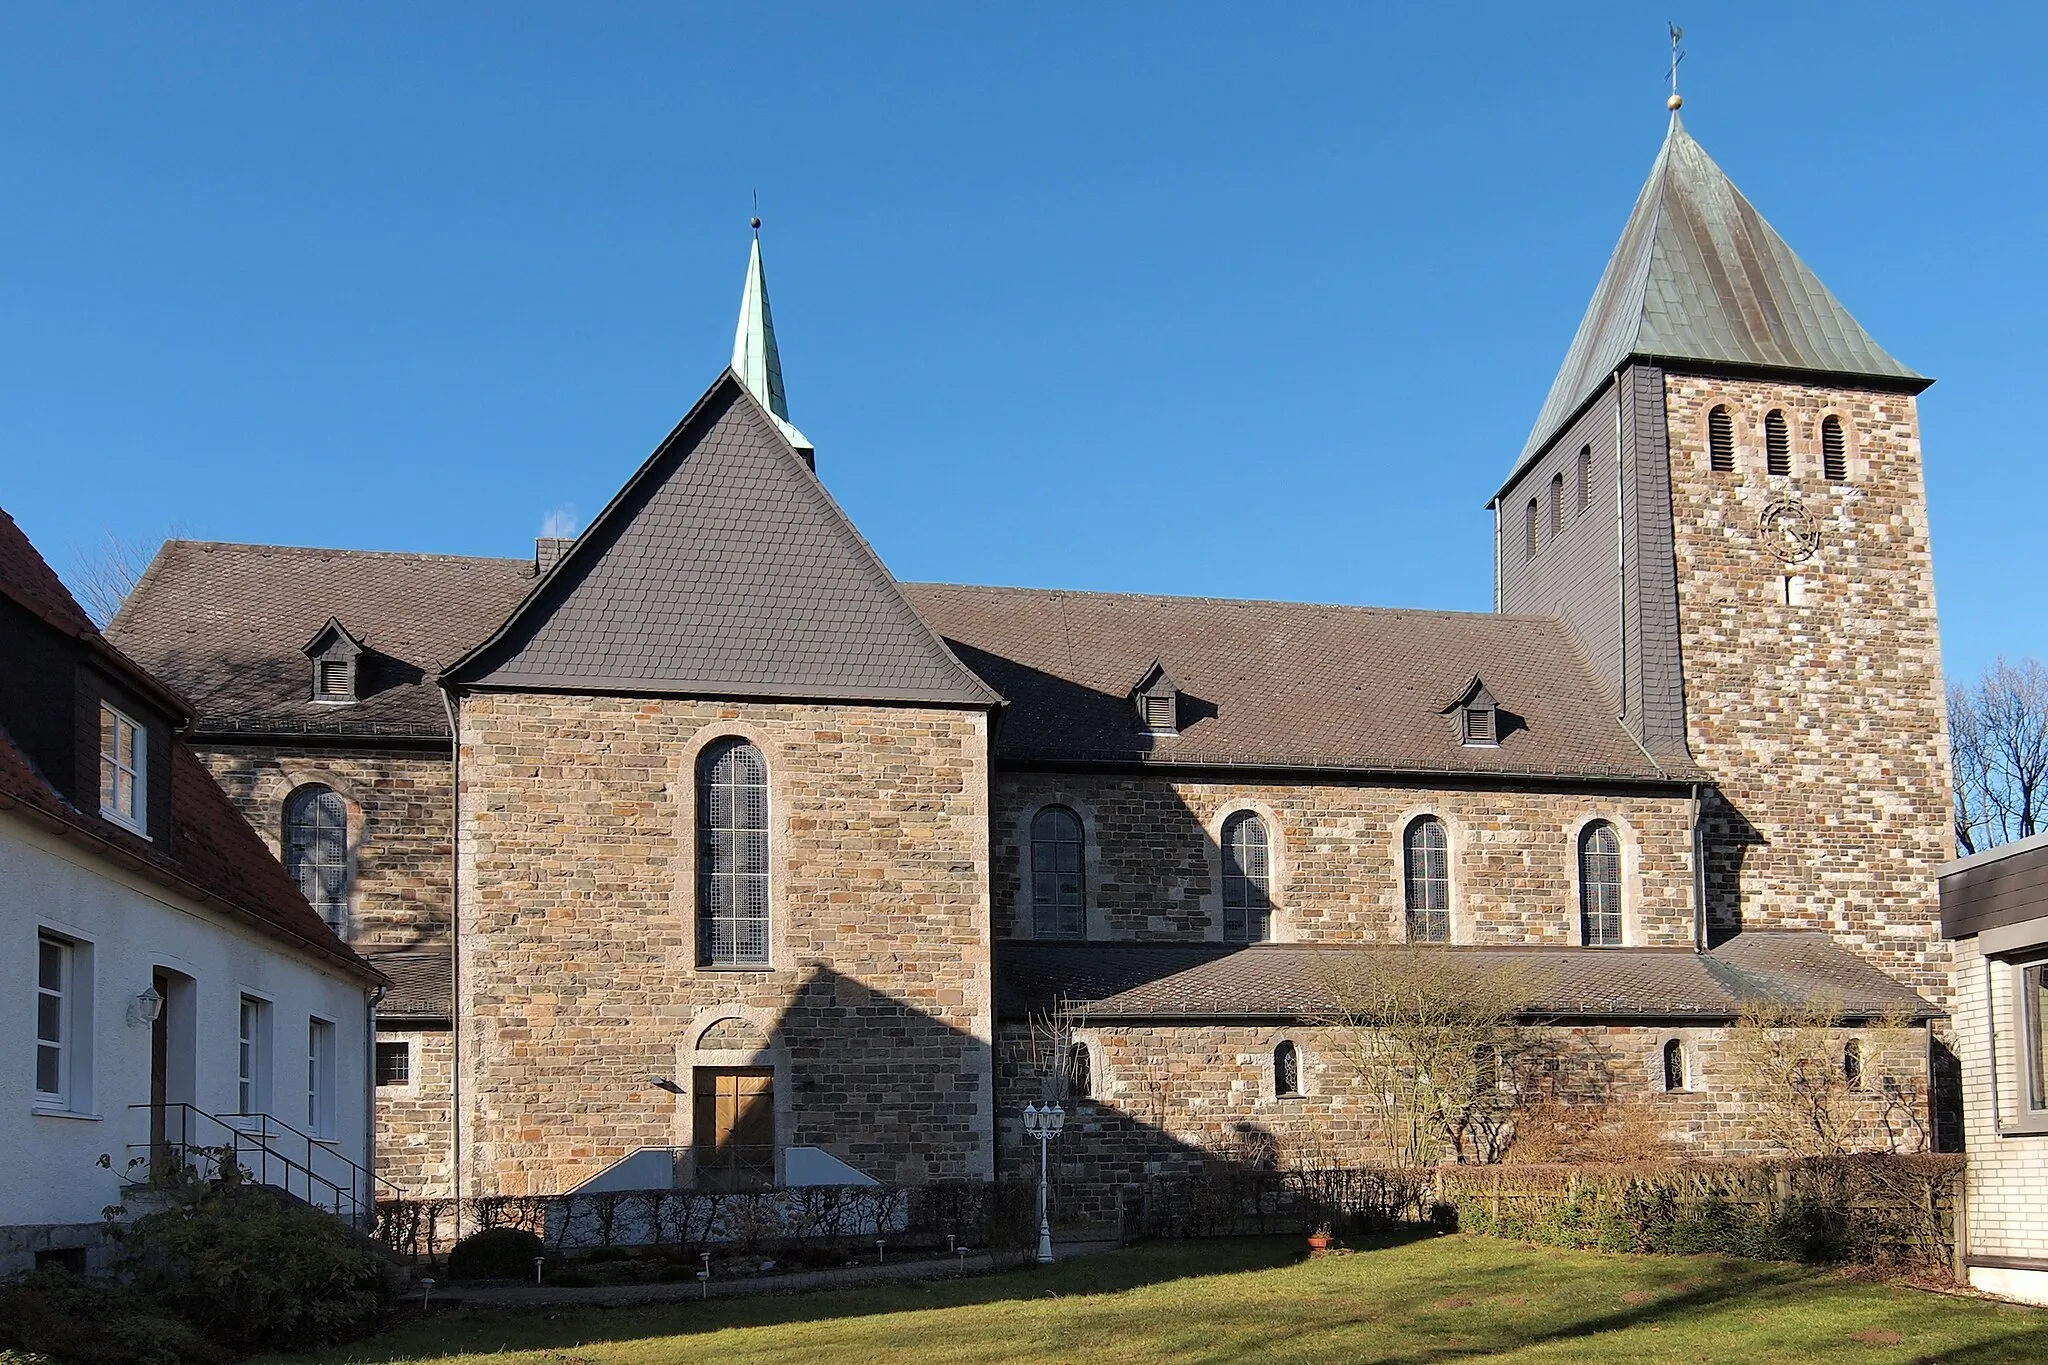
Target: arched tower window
(1599,886)
(316,851)
(732,855)
(1080,1074)
(1529,531)
(1247,880)
(1286,1069)
(1674,1065)
(1834,449)
(1852,1064)
(1585,477)
(1777,443)
(1721,441)
(1427,875)
(1059,906)
(1557,504)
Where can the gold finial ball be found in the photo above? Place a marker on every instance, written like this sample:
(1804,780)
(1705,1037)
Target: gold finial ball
(756,222)
(1674,101)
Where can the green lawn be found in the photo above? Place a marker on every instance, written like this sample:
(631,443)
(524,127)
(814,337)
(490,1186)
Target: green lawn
(1441,1299)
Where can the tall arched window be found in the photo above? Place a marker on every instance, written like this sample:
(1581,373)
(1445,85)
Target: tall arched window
(1427,876)
(1286,1069)
(1674,1065)
(1599,886)
(1720,441)
(1585,478)
(1777,443)
(1247,880)
(1834,449)
(1557,504)
(1059,907)
(1529,531)
(732,855)
(316,851)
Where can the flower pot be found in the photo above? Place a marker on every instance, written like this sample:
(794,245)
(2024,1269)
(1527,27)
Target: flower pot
(1319,1242)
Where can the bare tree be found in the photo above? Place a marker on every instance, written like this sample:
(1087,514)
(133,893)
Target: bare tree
(1809,1094)
(1998,744)
(107,573)
(1434,1039)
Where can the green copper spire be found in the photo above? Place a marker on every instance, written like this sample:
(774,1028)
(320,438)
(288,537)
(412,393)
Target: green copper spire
(754,357)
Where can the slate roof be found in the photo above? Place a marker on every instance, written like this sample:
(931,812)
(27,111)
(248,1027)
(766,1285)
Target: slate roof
(1302,982)
(422,984)
(212,856)
(1282,684)
(1699,276)
(227,625)
(724,568)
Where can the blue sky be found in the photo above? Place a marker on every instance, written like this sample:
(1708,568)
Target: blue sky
(1181,298)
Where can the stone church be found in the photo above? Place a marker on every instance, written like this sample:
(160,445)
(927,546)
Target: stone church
(704,852)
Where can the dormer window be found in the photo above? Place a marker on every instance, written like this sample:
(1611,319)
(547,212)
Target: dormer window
(1478,716)
(334,653)
(124,770)
(1158,701)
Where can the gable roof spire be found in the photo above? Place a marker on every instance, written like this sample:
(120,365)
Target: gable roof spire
(755,358)
(1699,277)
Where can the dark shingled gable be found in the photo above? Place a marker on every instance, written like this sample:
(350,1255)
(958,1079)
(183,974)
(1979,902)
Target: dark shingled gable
(724,568)
(1302,982)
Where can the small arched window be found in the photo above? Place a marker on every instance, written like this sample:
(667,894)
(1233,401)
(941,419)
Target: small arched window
(1427,875)
(1852,1064)
(1530,531)
(1585,477)
(1247,880)
(1286,1069)
(1557,504)
(316,851)
(1059,907)
(1080,1072)
(1599,886)
(1720,441)
(1777,443)
(1674,1065)
(732,855)
(1834,449)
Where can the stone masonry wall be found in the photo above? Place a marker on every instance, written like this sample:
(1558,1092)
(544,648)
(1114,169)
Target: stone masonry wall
(1167,1099)
(1823,720)
(398,827)
(1153,857)
(413,1119)
(578,953)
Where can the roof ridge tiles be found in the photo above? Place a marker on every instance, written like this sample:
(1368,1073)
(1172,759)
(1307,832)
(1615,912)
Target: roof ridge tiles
(1361,607)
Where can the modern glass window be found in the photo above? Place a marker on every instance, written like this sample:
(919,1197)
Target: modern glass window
(1286,1069)
(1426,873)
(53,1023)
(1674,1065)
(1599,886)
(1777,443)
(1852,1064)
(2033,982)
(1080,1074)
(732,855)
(319,1078)
(1247,880)
(252,1064)
(1721,441)
(1058,889)
(733,1128)
(394,1063)
(1530,531)
(1834,449)
(1585,478)
(124,770)
(316,851)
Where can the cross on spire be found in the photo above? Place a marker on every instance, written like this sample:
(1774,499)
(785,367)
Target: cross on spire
(1677,56)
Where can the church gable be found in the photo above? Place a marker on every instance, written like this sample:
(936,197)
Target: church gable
(723,568)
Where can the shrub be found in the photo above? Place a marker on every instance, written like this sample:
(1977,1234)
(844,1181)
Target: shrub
(496,1254)
(51,1315)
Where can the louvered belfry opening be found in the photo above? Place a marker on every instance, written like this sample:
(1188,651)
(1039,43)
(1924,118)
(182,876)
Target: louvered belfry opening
(1530,531)
(1556,505)
(1721,441)
(1777,443)
(732,855)
(1585,477)
(1834,450)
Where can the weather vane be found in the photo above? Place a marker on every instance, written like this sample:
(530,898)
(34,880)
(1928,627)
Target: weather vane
(1677,56)
(756,219)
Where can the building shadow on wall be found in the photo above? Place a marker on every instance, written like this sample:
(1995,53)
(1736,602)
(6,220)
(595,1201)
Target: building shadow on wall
(1732,842)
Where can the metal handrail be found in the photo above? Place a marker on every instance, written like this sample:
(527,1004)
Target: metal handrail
(253,1142)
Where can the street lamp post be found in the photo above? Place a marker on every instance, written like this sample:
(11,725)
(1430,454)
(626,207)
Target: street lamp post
(1044,1122)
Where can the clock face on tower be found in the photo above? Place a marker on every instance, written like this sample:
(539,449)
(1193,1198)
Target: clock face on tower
(1788,530)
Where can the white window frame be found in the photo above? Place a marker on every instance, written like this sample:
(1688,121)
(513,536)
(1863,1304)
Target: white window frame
(61,1044)
(252,1055)
(112,770)
(320,1089)
(73,1043)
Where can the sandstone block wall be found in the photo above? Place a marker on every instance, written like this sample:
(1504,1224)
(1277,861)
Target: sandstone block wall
(399,827)
(1822,720)
(413,1120)
(579,946)
(1153,857)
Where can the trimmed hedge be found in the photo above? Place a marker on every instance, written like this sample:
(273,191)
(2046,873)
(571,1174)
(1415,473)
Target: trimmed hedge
(496,1254)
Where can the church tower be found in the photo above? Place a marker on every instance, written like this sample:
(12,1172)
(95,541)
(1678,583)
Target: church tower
(1723,500)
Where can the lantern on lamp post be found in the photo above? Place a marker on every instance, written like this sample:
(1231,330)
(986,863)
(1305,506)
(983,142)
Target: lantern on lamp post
(1044,1122)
